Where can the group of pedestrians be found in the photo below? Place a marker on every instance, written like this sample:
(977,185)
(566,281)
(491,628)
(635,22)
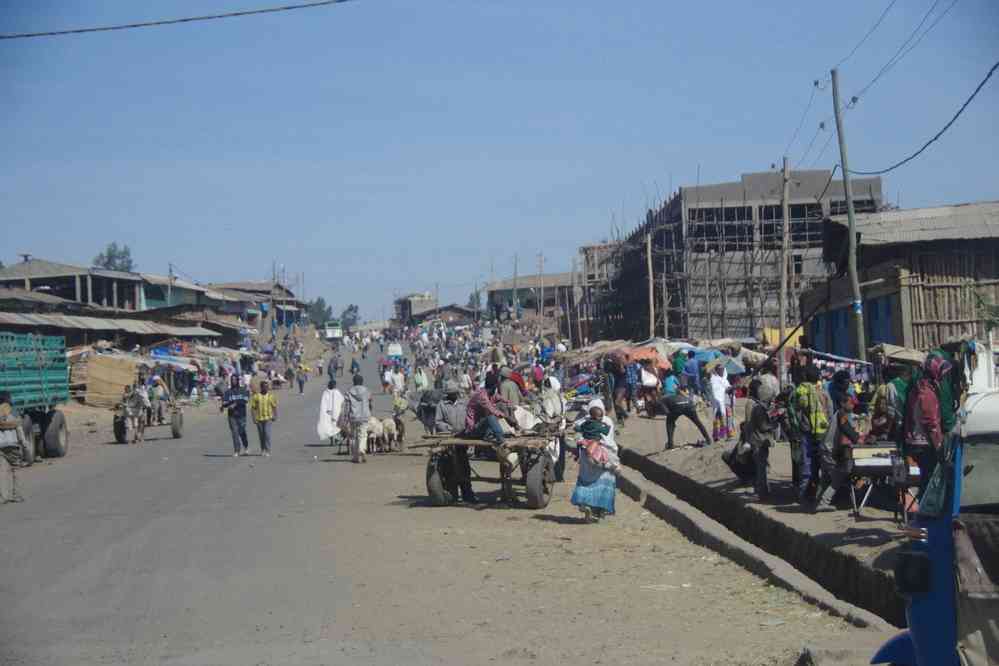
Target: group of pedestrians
(263,408)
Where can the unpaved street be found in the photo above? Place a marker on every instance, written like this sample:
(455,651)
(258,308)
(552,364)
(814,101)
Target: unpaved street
(174,552)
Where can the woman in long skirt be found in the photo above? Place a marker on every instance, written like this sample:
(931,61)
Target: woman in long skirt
(596,485)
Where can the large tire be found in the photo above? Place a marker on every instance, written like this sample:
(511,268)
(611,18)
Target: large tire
(177,424)
(539,481)
(56,436)
(120,429)
(440,488)
(28,443)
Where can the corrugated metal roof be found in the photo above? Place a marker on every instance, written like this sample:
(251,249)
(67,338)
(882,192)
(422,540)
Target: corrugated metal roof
(165,281)
(893,227)
(39,268)
(134,326)
(116,275)
(25,296)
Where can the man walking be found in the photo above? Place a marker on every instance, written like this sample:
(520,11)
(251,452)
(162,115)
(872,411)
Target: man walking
(359,399)
(263,406)
(234,400)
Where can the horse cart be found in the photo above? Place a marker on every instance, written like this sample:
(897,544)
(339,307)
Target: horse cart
(525,460)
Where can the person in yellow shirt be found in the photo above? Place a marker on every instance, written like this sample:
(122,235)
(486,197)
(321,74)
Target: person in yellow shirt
(264,408)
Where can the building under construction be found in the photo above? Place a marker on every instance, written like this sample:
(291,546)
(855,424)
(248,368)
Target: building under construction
(715,253)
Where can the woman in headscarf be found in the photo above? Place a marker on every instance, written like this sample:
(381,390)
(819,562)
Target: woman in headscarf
(596,484)
(924,431)
(329,412)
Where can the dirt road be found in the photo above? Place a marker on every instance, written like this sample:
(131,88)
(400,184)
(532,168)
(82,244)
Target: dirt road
(173,552)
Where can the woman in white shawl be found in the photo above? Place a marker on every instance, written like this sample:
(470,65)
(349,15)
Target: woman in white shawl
(329,412)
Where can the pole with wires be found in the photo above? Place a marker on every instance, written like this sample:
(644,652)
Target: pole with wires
(858,303)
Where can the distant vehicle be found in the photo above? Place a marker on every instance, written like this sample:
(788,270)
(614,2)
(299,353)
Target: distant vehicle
(333,330)
(394,350)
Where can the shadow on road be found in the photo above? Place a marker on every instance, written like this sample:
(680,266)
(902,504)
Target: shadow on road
(561,520)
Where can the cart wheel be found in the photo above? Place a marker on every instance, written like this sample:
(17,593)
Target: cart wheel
(177,424)
(27,441)
(56,436)
(539,481)
(440,485)
(121,429)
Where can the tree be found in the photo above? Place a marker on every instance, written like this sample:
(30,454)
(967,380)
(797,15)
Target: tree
(475,301)
(115,258)
(319,311)
(350,316)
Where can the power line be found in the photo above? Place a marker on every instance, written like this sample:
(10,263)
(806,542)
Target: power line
(905,48)
(811,98)
(818,85)
(869,33)
(823,151)
(811,143)
(935,136)
(190,19)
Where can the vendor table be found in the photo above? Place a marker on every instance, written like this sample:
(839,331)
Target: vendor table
(881,463)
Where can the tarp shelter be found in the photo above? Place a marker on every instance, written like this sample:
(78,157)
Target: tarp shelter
(896,353)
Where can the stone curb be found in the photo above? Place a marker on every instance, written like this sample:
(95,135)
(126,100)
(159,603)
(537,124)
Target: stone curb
(705,531)
(841,575)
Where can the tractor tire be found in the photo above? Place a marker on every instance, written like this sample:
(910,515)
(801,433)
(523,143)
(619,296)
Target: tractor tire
(120,428)
(539,481)
(56,436)
(177,425)
(28,441)
(440,487)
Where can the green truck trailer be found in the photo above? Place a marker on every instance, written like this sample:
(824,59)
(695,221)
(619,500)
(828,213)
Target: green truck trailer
(33,371)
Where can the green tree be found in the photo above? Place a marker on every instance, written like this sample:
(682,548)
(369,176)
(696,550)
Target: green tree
(475,301)
(350,316)
(319,311)
(115,258)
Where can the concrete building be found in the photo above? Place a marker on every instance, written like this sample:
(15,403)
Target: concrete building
(716,252)
(528,290)
(89,286)
(408,307)
(925,275)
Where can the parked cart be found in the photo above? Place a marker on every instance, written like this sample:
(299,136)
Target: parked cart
(533,456)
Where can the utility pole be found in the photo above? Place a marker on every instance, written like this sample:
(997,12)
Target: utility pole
(541,285)
(516,298)
(437,296)
(169,284)
(652,295)
(858,301)
(576,303)
(784,243)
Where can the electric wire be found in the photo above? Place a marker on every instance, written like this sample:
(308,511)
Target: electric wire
(935,136)
(869,33)
(907,46)
(804,114)
(190,19)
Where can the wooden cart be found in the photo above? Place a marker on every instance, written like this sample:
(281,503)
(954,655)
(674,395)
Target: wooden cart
(537,470)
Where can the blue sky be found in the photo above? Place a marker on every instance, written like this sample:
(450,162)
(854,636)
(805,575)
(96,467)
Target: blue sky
(383,146)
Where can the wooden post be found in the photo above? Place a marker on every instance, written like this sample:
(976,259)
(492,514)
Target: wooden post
(858,302)
(785,239)
(652,296)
